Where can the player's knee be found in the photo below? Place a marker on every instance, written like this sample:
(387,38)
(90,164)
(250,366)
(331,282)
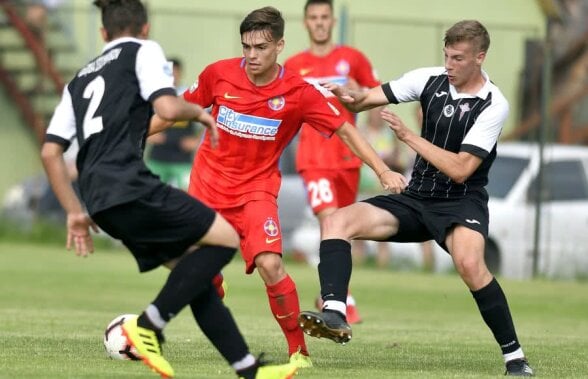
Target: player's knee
(470,268)
(270,267)
(334,224)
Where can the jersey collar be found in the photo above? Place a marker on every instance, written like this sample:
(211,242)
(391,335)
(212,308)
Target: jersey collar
(482,93)
(120,40)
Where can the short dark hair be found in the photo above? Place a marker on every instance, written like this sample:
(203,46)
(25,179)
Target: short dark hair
(469,31)
(317,2)
(122,16)
(266,19)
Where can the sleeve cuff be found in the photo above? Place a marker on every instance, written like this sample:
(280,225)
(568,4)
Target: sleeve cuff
(161,92)
(58,140)
(389,94)
(475,150)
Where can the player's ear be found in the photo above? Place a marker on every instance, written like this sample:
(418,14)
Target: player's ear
(480,57)
(145,31)
(281,44)
(104,35)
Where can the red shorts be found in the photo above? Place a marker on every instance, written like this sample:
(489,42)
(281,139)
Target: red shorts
(330,188)
(258,226)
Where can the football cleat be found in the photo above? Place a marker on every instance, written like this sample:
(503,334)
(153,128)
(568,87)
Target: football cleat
(518,367)
(328,324)
(353,316)
(148,345)
(300,360)
(286,371)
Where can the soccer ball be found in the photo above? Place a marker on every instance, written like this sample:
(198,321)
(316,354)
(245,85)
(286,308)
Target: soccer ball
(115,342)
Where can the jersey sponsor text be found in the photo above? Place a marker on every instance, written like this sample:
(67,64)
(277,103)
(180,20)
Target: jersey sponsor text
(247,126)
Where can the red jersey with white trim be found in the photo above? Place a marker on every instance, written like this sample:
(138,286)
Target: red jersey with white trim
(341,64)
(255,124)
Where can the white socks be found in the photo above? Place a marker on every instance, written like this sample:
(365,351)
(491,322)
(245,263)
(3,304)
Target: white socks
(517,354)
(334,305)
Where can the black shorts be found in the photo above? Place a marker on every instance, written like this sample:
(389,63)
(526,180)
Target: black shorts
(432,218)
(158,227)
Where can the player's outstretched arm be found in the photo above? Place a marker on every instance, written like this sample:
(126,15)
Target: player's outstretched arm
(357,100)
(391,181)
(158,124)
(171,108)
(78,222)
(210,124)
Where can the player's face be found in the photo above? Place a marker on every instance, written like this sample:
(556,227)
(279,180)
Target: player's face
(261,53)
(463,64)
(319,22)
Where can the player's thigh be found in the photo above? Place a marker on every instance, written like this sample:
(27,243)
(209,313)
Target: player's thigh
(407,216)
(258,226)
(221,233)
(360,221)
(465,245)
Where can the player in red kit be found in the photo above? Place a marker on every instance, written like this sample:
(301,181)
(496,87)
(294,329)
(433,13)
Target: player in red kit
(328,167)
(259,107)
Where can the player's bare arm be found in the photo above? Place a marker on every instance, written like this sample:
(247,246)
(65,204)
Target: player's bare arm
(210,124)
(158,124)
(391,181)
(458,166)
(169,109)
(357,100)
(78,222)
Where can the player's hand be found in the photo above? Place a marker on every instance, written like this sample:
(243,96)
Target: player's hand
(78,233)
(344,94)
(209,123)
(352,84)
(393,181)
(396,124)
(156,139)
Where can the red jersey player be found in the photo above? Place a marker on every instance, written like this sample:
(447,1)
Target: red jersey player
(329,169)
(259,107)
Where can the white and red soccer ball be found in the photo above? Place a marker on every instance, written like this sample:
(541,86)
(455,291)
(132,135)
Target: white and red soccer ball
(115,342)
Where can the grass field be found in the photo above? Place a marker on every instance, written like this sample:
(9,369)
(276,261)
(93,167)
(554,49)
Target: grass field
(54,307)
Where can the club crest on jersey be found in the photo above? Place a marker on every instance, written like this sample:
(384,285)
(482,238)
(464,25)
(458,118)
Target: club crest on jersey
(449,110)
(276,103)
(342,67)
(271,227)
(463,108)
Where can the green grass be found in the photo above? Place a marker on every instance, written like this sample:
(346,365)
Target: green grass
(54,307)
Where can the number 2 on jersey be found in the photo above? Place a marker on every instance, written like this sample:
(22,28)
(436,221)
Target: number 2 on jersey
(93,91)
(320,192)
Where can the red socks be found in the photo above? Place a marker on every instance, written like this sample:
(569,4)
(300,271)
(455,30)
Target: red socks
(283,300)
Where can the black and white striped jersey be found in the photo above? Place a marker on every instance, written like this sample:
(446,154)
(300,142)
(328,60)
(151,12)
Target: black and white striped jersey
(107,108)
(453,121)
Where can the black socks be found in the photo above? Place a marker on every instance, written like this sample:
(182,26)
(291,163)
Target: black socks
(190,278)
(495,312)
(335,269)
